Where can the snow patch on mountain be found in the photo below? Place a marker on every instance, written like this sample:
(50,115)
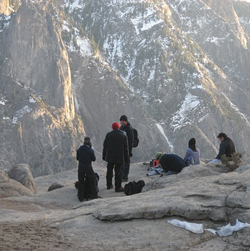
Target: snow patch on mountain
(165,136)
(2,102)
(146,20)
(77,42)
(4,22)
(32,100)
(20,113)
(181,117)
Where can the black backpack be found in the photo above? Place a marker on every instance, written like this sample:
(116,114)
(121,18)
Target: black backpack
(134,187)
(84,192)
(136,139)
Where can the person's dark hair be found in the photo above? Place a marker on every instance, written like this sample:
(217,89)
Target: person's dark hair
(124,118)
(222,134)
(191,144)
(87,141)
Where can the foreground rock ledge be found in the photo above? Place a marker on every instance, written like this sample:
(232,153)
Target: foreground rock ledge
(222,197)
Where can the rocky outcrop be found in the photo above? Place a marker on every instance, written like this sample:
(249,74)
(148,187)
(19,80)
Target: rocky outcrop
(197,193)
(54,186)
(23,175)
(11,188)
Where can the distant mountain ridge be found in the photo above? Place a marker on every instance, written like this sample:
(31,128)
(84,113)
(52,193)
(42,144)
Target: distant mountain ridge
(177,69)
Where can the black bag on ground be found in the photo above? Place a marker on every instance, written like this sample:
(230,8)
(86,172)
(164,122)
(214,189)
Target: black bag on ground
(88,189)
(134,187)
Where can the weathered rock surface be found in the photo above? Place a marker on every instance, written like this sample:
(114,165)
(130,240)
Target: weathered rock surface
(140,221)
(11,188)
(54,186)
(22,174)
(220,197)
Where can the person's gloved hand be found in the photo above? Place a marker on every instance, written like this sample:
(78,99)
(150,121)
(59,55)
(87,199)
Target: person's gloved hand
(103,158)
(130,154)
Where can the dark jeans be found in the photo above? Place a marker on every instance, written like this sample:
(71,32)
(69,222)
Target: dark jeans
(125,169)
(118,175)
(87,176)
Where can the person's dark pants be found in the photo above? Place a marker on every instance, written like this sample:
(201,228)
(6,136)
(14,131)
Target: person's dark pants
(87,177)
(125,169)
(118,175)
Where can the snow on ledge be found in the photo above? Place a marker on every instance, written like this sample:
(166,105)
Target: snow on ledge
(20,113)
(160,128)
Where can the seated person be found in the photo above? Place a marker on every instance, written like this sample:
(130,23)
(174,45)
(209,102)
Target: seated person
(192,156)
(226,147)
(171,163)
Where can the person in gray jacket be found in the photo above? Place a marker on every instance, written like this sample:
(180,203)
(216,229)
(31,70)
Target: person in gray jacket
(192,156)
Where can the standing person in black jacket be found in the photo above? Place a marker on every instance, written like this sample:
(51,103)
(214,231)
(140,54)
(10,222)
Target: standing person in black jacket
(115,152)
(128,130)
(226,147)
(85,155)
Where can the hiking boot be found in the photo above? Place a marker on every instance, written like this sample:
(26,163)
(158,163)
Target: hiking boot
(121,189)
(110,187)
(124,180)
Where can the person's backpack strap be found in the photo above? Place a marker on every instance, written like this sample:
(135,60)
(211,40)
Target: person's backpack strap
(136,139)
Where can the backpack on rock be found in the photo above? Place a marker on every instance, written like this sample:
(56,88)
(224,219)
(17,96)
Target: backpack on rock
(136,139)
(134,187)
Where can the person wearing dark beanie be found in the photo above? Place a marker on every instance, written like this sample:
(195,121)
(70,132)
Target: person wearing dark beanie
(86,175)
(115,152)
(124,118)
(128,130)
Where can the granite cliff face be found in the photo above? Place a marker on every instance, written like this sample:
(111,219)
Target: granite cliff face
(177,69)
(38,121)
